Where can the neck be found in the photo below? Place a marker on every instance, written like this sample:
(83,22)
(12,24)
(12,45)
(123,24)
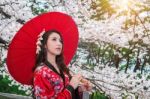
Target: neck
(51,59)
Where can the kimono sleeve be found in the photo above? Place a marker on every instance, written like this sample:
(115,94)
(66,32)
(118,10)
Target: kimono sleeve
(43,89)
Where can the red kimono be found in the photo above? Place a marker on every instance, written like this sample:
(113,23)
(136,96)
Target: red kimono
(49,85)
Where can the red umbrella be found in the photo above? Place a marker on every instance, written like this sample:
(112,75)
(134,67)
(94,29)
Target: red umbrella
(22,50)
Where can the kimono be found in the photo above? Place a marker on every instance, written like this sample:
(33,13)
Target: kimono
(47,84)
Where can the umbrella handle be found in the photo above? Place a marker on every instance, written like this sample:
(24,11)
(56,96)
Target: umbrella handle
(85,95)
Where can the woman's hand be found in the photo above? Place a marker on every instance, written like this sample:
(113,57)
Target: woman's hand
(75,81)
(85,85)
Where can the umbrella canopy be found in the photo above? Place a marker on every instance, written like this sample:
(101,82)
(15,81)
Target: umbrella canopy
(22,49)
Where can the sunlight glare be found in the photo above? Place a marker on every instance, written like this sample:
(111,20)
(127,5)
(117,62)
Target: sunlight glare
(124,4)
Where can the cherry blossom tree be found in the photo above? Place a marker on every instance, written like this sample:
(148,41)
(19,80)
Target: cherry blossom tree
(112,32)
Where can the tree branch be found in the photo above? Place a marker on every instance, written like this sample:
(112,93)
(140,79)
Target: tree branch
(9,16)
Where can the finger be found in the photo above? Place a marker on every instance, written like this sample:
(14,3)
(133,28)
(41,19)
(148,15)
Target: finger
(80,78)
(79,75)
(81,84)
(84,80)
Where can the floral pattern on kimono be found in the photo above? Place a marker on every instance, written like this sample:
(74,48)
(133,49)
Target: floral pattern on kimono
(49,85)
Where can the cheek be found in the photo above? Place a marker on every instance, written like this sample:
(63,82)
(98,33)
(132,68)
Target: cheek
(49,46)
(62,45)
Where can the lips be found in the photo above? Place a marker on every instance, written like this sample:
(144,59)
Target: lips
(58,48)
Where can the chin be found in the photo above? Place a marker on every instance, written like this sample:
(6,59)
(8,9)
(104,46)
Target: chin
(57,54)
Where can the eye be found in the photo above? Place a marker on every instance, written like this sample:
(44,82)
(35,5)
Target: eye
(61,41)
(54,39)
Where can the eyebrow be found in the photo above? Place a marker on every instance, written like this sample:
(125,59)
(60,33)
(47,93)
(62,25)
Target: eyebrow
(55,37)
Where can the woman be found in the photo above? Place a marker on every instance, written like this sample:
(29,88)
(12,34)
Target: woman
(52,79)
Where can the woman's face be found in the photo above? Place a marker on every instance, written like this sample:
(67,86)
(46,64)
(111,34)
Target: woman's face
(54,44)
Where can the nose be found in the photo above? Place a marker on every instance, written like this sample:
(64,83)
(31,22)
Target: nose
(59,42)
